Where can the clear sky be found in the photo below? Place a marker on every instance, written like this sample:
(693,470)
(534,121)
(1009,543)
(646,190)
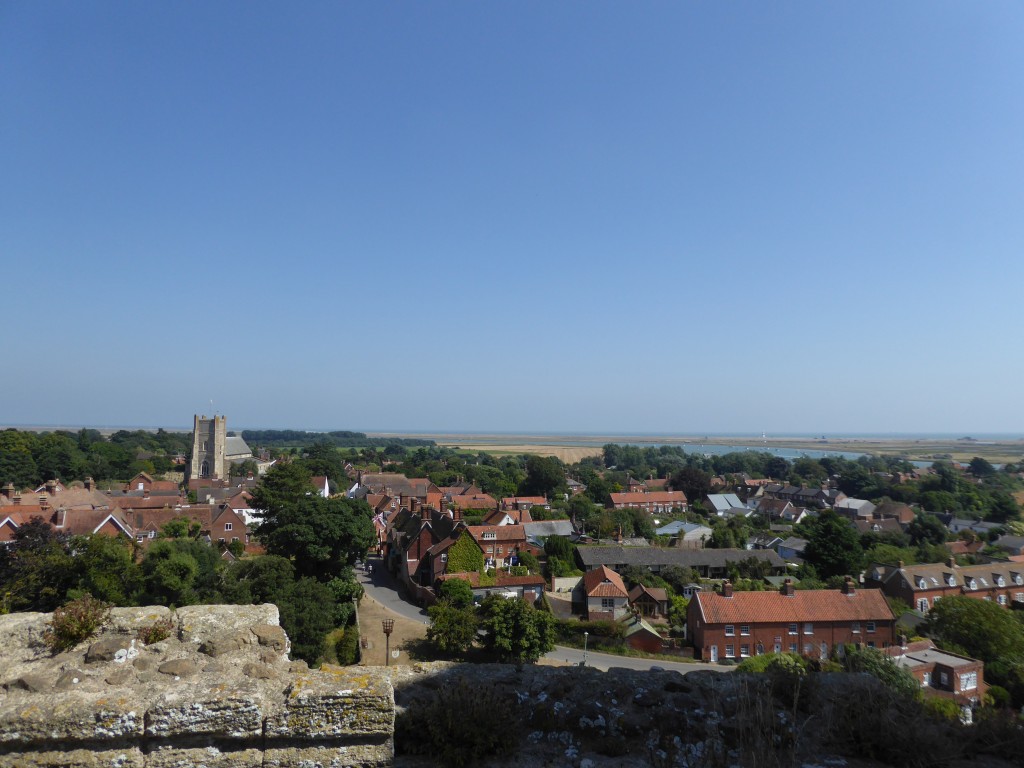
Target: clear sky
(679,217)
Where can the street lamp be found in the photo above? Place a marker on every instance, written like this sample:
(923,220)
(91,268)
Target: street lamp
(585,636)
(389,627)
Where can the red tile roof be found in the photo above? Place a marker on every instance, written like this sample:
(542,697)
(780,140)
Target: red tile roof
(603,582)
(803,605)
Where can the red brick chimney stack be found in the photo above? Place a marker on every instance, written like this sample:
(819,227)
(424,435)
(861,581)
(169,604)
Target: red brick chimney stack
(787,587)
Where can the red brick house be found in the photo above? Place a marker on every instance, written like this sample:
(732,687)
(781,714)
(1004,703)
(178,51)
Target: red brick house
(919,586)
(942,673)
(500,543)
(655,502)
(734,625)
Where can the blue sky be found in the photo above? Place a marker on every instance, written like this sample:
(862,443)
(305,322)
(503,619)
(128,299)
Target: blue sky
(574,216)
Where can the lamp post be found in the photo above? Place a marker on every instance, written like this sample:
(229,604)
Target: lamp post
(389,627)
(586,635)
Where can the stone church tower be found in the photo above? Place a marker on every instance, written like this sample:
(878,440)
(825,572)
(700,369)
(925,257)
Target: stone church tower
(209,437)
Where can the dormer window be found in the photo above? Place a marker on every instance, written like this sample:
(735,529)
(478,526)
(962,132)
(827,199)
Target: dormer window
(951,580)
(1018,579)
(972,584)
(921,584)
(1000,581)
(490,535)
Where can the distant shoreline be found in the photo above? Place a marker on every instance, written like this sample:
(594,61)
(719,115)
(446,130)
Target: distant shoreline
(996,448)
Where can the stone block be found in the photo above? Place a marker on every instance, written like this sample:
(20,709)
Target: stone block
(237,717)
(76,758)
(199,623)
(341,756)
(336,702)
(128,621)
(204,757)
(71,716)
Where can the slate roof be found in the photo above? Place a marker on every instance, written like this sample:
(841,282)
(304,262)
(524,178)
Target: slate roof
(546,528)
(938,575)
(816,605)
(654,497)
(724,501)
(592,557)
(236,446)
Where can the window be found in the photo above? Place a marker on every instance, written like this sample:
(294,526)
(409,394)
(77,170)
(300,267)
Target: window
(871,626)
(951,580)
(730,630)
(944,678)
(792,647)
(444,557)
(140,538)
(968,681)
(808,649)
(152,534)
(1000,581)
(234,538)
(744,629)
(744,650)
(730,651)
(489,535)
(793,629)
(808,629)
(608,603)
(228,526)
(1002,599)
(221,539)
(922,604)
(1018,597)
(871,643)
(926,680)
(855,627)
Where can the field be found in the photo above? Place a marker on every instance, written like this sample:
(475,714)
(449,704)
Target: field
(571,448)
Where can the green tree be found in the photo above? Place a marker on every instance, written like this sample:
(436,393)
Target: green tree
(981,467)
(452,628)
(927,528)
(456,593)
(264,579)
(543,475)
(515,630)
(36,569)
(321,535)
(695,483)
(181,528)
(308,613)
(180,572)
(108,570)
(833,546)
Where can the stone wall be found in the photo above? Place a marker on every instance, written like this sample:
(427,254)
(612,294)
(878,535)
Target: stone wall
(220,692)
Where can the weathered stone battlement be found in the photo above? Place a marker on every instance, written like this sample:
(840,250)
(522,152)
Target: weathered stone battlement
(220,692)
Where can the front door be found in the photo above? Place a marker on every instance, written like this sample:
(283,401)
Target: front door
(714,654)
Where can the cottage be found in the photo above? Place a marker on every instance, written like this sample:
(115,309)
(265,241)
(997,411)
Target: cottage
(942,673)
(604,593)
(734,625)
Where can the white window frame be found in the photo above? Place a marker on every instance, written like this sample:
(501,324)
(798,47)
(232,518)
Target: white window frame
(969,681)
(808,628)
(730,651)
(744,630)
(870,627)
(730,630)
(228,526)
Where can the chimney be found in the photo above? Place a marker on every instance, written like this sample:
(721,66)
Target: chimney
(9,490)
(787,588)
(848,586)
(899,564)
(89,484)
(51,487)
(951,562)
(726,588)
(16,499)
(44,502)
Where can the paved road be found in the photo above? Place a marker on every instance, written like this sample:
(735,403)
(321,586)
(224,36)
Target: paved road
(382,587)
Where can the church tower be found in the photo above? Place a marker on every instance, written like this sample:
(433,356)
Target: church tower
(208,440)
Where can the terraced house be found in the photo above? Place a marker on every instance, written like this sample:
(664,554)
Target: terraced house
(921,586)
(735,625)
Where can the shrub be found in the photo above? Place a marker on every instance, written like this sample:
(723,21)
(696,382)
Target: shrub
(941,709)
(154,633)
(75,622)
(347,647)
(774,662)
